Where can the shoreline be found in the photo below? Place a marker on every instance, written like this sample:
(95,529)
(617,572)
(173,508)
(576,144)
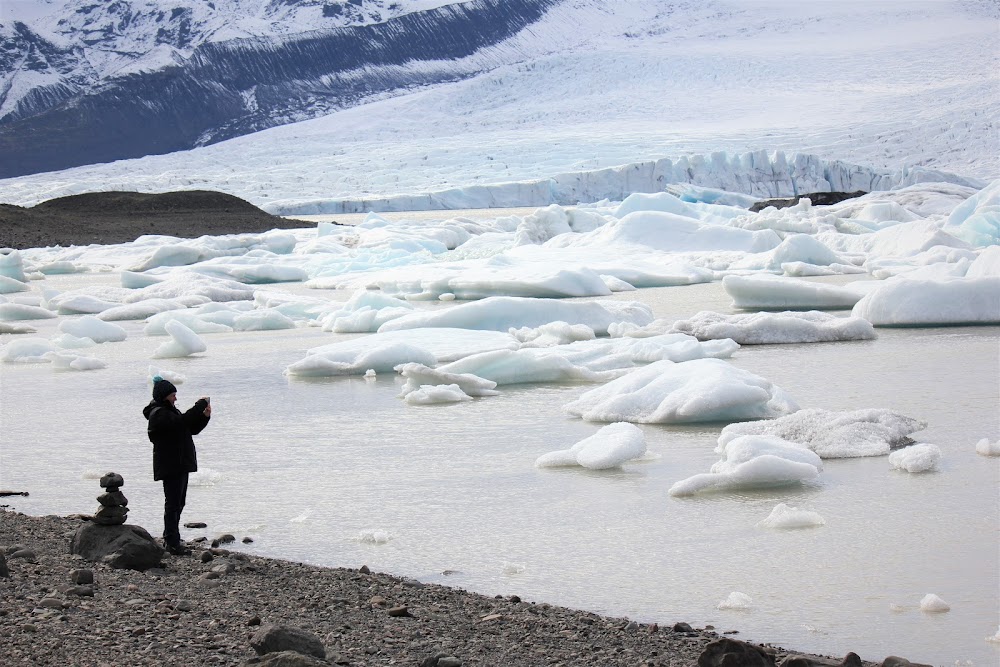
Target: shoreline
(202,609)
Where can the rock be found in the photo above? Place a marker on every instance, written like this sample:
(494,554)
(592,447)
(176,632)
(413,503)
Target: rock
(112,481)
(631,626)
(13,548)
(286,659)
(4,570)
(206,557)
(732,653)
(247,540)
(50,603)
(112,499)
(223,539)
(120,547)
(364,570)
(896,661)
(449,661)
(82,591)
(398,612)
(277,638)
(817,199)
(26,554)
(253,621)
(183,605)
(682,627)
(223,568)
(110,516)
(196,524)
(850,660)
(81,576)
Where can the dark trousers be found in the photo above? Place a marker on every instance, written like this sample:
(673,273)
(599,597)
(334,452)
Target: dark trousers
(174,494)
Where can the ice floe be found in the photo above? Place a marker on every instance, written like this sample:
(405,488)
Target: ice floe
(612,446)
(933,603)
(910,302)
(664,392)
(770,327)
(987,448)
(184,342)
(776,292)
(922,457)
(831,434)
(786,517)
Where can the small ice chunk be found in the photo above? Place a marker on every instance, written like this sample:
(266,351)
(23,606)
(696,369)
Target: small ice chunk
(512,568)
(785,517)
(431,394)
(11,285)
(987,448)
(420,375)
(610,447)
(737,601)
(933,603)
(769,328)
(916,458)
(370,373)
(26,351)
(74,362)
(20,311)
(553,333)
(183,343)
(372,536)
(994,638)
(171,376)
(382,357)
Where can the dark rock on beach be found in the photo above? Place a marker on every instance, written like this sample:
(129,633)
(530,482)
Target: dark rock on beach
(170,615)
(118,217)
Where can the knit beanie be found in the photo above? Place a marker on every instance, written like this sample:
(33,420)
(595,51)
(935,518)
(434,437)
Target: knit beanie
(162,388)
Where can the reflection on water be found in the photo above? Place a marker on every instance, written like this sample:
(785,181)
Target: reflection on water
(309,467)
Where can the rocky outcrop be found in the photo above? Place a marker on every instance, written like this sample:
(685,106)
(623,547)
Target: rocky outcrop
(278,638)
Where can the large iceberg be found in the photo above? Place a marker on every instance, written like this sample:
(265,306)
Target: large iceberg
(908,302)
(704,390)
(776,292)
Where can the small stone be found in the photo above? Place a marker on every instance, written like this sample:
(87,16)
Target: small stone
(26,554)
(682,627)
(196,524)
(449,661)
(515,599)
(632,626)
(209,575)
(112,481)
(81,576)
(131,588)
(247,540)
(81,591)
(134,602)
(490,617)
(364,570)
(111,516)
(254,620)
(29,627)
(183,605)
(51,603)
(223,568)
(398,612)
(112,499)
(206,556)
(15,547)
(377,601)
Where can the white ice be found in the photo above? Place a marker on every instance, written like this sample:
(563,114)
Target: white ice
(868,432)
(17,311)
(908,302)
(933,603)
(74,362)
(916,458)
(786,517)
(93,328)
(664,392)
(184,342)
(770,328)
(504,313)
(430,394)
(346,361)
(419,376)
(612,446)
(736,601)
(753,462)
(26,350)
(987,448)
(11,285)
(772,292)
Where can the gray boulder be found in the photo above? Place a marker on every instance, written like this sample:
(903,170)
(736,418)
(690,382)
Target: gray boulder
(4,571)
(121,547)
(276,638)
(850,660)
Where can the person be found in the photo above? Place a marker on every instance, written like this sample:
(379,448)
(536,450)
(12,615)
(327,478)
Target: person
(174,455)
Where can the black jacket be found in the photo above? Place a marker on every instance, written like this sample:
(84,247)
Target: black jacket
(170,431)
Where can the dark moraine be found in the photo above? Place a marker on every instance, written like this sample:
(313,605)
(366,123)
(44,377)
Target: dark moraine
(119,217)
(817,199)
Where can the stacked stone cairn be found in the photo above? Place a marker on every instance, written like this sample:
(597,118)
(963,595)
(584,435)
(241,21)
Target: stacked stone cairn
(114,504)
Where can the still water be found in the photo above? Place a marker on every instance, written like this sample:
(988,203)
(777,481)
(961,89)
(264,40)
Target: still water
(342,472)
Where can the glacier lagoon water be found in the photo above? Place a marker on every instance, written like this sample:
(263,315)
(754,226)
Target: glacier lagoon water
(341,472)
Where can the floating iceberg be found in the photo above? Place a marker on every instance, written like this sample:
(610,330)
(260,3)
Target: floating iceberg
(93,328)
(784,517)
(871,432)
(909,302)
(704,390)
(610,447)
(11,285)
(419,375)
(357,361)
(430,394)
(934,604)
(737,601)
(19,311)
(504,313)
(776,292)
(916,458)
(753,462)
(768,328)
(26,351)
(987,448)
(184,342)
(74,362)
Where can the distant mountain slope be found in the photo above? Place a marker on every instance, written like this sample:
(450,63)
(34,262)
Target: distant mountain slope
(95,82)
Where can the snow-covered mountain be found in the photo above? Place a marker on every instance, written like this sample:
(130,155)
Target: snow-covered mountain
(86,81)
(572,100)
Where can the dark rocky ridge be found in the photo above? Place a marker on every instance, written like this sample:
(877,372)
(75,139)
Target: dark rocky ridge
(118,217)
(205,99)
(817,199)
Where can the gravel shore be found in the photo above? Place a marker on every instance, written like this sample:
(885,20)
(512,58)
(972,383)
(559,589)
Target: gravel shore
(203,608)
